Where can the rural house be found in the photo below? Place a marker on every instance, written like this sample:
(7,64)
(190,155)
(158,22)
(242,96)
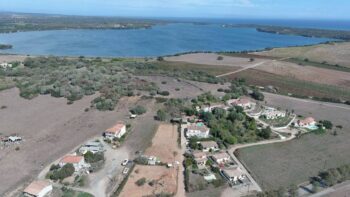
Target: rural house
(234,174)
(209,146)
(307,122)
(38,189)
(221,158)
(117,131)
(199,130)
(245,103)
(77,161)
(200,158)
(272,113)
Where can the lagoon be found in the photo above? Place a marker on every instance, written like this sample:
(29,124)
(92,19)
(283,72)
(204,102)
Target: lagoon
(160,40)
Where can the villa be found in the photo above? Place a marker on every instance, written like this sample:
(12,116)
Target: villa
(38,189)
(209,146)
(234,174)
(77,161)
(200,158)
(117,131)
(272,113)
(221,158)
(245,103)
(308,122)
(199,130)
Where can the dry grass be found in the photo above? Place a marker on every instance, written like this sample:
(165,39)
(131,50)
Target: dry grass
(164,144)
(295,161)
(337,53)
(164,181)
(287,84)
(45,123)
(165,147)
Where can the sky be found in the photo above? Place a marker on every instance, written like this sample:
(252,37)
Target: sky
(278,9)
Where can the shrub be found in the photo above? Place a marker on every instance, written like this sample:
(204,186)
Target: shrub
(161,115)
(93,158)
(141,181)
(138,110)
(220,58)
(66,171)
(164,93)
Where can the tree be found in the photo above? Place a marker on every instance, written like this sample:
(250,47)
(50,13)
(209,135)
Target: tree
(265,133)
(138,110)
(160,58)
(141,181)
(220,58)
(257,95)
(327,124)
(161,115)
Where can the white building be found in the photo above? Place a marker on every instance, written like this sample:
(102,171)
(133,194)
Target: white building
(77,161)
(221,158)
(117,131)
(234,174)
(38,189)
(5,65)
(199,130)
(272,113)
(307,122)
(209,146)
(200,158)
(245,103)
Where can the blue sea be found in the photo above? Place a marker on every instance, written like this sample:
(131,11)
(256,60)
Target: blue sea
(161,40)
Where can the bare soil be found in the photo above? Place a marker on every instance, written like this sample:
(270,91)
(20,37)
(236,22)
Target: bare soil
(164,144)
(165,147)
(307,73)
(164,181)
(184,88)
(50,128)
(212,59)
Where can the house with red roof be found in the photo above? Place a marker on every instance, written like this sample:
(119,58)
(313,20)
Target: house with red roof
(77,161)
(117,131)
(307,122)
(38,189)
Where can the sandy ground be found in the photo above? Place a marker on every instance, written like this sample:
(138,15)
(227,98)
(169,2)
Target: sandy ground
(338,53)
(164,144)
(165,181)
(50,128)
(165,147)
(187,89)
(307,73)
(211,59)
(11,58)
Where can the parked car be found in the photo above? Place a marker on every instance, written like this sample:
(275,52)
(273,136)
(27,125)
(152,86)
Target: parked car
(126,170)
(125,161)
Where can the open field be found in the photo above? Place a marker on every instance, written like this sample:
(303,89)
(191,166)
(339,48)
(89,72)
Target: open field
(164,181)
(165,147)
(286,85)
(211,59)
(48,123)
(293,162)
(11,58)
(164,144)
(337,53)
(184,88)
(307,73)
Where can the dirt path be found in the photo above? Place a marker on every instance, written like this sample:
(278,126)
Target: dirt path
(250,66)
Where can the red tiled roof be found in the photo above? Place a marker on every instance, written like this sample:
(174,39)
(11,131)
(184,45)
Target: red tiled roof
(116,128)
(307,120)
(36,187)
(71,159)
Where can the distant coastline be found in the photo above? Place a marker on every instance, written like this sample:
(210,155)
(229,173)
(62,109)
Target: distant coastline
(305,32)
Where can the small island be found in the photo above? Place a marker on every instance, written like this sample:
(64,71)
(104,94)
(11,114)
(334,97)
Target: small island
(306,32)
(5,46)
